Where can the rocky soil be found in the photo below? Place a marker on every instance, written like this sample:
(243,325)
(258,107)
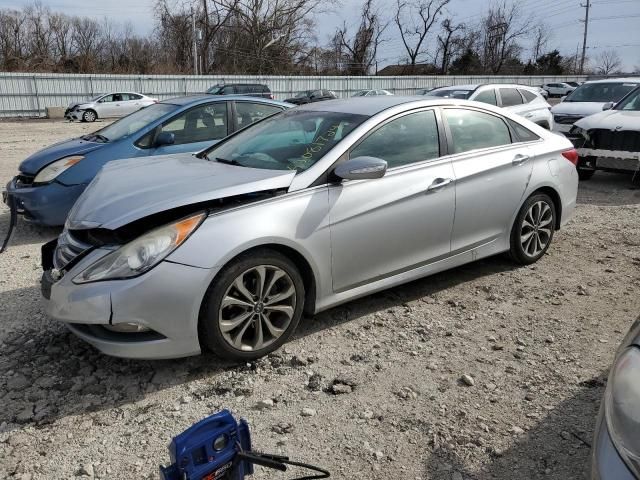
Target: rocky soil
(489,371)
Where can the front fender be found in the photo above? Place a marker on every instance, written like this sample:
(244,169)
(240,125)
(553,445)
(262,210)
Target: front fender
(298,221)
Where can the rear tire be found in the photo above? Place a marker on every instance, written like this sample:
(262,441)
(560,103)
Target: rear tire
(533,229)
(89,116)
(585,173)
(253,306)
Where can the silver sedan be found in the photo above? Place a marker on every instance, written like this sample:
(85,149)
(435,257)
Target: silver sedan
(305,210)
(109,105)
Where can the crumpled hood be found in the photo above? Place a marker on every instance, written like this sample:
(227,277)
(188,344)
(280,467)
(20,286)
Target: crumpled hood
(612,120)
(76,146)
(577,108)
(127,190)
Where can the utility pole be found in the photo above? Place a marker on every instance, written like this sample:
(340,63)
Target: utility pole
(195,43)
(584,40)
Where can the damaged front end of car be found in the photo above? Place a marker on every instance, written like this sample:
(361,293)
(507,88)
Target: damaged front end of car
(612,150)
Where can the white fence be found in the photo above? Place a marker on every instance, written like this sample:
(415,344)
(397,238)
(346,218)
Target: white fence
(27,95)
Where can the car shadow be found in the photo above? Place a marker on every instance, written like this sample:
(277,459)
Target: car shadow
(421,288)
(47,373)
(609,189)
(557,447)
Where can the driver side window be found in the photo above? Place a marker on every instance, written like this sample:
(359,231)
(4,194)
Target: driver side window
(408,139)
(106,99)
(202,123)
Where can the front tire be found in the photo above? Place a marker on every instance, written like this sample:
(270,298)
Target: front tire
(533,229)
(253,306)
(89,116)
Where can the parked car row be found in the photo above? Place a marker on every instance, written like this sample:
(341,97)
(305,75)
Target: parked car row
(522,100)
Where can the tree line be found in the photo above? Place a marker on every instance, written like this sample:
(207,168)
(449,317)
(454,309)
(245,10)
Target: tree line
(278,37)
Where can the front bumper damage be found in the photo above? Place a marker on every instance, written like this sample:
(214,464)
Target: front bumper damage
(625,161)
(46,204)
(166,300)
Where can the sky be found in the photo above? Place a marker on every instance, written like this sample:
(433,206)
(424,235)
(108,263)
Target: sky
(613,24)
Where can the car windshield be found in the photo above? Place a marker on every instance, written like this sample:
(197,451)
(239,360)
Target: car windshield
(306,93)
(292,140)
(600,92)
(215,89)
(631,102)
(133,123)
(361,93)
(451,93)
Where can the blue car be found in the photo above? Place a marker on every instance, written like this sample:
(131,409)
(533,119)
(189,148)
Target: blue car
(50,181)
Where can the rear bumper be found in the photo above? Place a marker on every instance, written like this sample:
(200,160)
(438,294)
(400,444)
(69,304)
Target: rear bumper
(45,204)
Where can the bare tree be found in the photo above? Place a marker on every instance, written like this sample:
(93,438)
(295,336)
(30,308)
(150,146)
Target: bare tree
(450,44)
(414,21)
(541,38)
(608,62)
(500,30)
(361,49)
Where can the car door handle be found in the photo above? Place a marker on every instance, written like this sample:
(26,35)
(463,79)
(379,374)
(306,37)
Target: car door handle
(438,184)
(519,159)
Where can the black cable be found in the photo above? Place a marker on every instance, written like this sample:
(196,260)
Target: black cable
(279,462)
(13,209)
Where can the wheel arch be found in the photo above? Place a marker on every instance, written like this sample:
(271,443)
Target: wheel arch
(555,197)
(301,262)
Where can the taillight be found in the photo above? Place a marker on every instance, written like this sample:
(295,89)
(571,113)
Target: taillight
(571,155)
(271,96)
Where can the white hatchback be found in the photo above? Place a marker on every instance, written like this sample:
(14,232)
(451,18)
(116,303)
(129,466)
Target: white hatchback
(519,99)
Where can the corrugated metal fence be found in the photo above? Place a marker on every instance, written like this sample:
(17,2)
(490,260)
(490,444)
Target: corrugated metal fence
(24,94)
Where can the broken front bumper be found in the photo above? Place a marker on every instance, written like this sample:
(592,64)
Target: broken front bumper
(617,160)
(46,204)
(166,300)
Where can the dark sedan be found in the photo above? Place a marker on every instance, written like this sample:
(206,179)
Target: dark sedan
(616,446)
(310,96)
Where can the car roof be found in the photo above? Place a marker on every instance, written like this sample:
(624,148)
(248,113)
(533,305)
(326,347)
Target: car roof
(616,80)
(373,105)
(204,98)
(469,86)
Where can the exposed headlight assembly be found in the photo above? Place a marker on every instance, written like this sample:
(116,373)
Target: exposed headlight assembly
(54,169)
(622,406)
(141,254)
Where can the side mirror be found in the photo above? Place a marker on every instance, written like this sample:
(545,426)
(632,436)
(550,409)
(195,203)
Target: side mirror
(608,106)
(165,138)
(361,168)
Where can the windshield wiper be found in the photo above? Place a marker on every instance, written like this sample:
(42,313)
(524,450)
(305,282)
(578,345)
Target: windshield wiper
(227,161)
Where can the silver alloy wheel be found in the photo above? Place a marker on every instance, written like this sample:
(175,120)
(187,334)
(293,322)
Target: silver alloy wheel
(535,232)
(89,116)
(257,308)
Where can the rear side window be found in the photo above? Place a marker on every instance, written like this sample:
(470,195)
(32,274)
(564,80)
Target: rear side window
(510,97)
(408,139)
(488,96)
(528,96)
(249,112)
(472,130)
(523,134)
(228,90)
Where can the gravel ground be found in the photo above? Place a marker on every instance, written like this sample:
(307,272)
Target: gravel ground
(485,371)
